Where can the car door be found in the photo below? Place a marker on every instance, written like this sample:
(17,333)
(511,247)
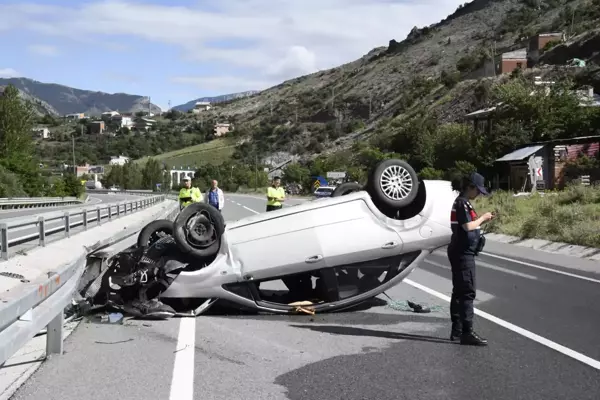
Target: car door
(277,246)
(353,234)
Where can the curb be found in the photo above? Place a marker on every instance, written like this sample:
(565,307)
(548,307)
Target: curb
(566,249)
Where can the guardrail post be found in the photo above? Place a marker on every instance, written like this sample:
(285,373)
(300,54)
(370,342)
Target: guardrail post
(84,218)
(67,224)
(54,334)
(118,210)
(4,240)
(110,212)
(98,216)
(125,207)
(42,230)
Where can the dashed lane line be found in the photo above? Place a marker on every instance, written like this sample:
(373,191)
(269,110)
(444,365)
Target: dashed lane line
(585,278)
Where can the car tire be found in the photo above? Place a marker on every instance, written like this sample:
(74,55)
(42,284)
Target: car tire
(149,234)
(208,213)
(398,174)
(346,188)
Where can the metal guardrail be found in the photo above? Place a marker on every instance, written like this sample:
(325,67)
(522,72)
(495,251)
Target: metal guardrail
(64,222)
(36,202)
(27,309)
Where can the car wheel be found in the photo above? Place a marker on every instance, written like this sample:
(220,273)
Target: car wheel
(393,184)
(154,231)
(198,229)
(346,188)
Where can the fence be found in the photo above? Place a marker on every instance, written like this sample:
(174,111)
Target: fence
(36,202)
(28,308)
(40,226)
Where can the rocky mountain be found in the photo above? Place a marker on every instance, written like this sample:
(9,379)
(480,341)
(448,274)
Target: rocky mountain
(442,68)
(217,99)
(60,100)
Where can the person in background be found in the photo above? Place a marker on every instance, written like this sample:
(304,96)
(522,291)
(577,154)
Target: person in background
(466,242)
(188,194)
(215,196)
(275,195)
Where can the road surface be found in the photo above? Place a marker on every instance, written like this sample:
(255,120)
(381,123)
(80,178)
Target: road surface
(94,200)
(542,326)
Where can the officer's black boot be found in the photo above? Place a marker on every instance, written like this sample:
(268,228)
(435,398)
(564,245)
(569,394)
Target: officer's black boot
(470,338)
(456,332)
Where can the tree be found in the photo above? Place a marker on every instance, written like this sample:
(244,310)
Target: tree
(295,173)
(73,186)
(152,173)
(16,145)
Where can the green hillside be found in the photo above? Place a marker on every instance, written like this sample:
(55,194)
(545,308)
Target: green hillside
(214,152)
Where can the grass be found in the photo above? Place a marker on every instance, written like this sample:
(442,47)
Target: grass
(571,216)
(214,152)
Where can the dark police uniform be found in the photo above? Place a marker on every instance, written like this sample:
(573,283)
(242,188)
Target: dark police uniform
(462,250)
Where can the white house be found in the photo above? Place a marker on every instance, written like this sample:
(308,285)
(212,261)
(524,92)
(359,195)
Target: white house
(201,106)
(120,160)
(43,132)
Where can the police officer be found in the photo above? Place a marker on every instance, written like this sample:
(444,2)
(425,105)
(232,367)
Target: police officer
(189,194)
(465,244)
(275,195)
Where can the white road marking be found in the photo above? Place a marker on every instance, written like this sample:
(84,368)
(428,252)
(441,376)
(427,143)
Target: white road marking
(585,278)
(249,209)
(523,332)
(182,383)
(490,266)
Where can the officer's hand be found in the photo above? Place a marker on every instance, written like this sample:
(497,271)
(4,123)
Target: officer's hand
(488,216)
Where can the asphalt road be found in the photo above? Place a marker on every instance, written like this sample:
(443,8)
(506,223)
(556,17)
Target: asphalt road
(94,200)
(542,326)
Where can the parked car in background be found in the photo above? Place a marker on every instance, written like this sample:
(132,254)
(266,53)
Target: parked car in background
(324,191)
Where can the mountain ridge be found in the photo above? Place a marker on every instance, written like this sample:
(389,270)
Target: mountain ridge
(215,99)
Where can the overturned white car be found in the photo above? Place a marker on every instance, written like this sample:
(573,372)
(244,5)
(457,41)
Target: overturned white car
(329,254)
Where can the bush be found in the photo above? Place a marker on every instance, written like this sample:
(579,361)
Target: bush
(571,216)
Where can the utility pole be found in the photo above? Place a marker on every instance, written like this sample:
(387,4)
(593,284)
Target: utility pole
(73,149)
(256,170)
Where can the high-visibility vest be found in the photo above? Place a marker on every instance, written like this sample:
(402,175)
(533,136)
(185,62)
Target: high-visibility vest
(193,193)
(277,193)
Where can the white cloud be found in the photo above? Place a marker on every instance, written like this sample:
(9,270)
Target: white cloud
(43,50)
(8,73)
(270,40)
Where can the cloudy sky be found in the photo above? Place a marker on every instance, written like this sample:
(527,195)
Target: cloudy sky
(179,50)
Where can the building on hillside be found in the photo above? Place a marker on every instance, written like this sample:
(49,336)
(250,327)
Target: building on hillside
(483,118)
(41,132)
(222,129)
(549,160)
(538,42)
(120,160)
(143,124)
(108,115)
(122,120)
(512,60)
(75,116)
(96,127)
(201,106)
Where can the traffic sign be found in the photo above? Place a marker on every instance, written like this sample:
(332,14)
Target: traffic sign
(317,184)
(336,175)
(538,172)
